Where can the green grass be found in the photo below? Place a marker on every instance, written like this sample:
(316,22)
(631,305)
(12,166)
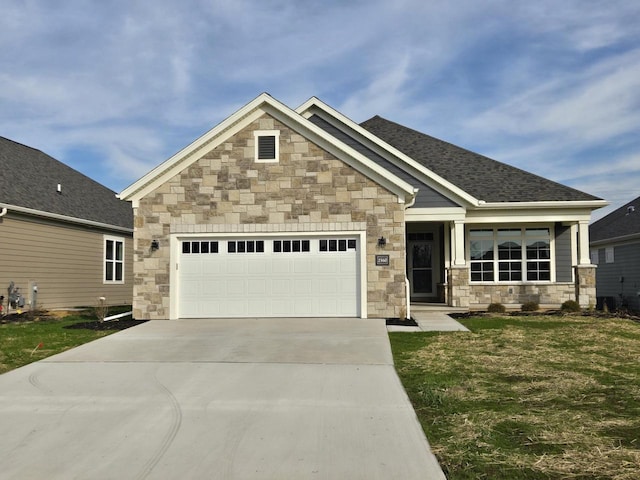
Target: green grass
(19,339)
(535,397)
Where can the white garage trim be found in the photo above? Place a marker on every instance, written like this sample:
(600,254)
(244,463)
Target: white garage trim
(175,255)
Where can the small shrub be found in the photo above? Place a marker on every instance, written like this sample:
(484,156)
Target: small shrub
(530,306)
(496,308)
(570,306)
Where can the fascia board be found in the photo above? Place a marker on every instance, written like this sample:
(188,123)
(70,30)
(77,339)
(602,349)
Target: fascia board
(589,204)
(623,239)
(234,123)
(156,176)
(434,214)
(63,218)
(345,153)
(392,154)
(530,215)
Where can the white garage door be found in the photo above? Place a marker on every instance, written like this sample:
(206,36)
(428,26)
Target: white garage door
(269,277)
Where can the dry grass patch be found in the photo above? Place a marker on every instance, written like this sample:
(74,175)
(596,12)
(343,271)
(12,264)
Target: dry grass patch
(535,397)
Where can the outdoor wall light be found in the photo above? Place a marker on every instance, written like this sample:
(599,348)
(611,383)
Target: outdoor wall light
(382,242)
(155,245)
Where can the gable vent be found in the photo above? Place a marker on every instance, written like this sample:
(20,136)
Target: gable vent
(267,147)
(266,143)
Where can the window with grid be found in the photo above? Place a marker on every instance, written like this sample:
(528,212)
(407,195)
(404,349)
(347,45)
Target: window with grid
(481,251)
(509,255)
(515,254)
(113,260)
(538,254)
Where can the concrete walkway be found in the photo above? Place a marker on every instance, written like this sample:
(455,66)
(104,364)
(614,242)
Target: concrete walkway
(430,321)
(216,399)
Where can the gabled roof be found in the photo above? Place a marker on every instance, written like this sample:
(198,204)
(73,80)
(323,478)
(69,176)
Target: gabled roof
(262,104)
(29,181)
(482,177)
(619,224)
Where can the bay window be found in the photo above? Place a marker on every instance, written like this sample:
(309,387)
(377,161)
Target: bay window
(510,254)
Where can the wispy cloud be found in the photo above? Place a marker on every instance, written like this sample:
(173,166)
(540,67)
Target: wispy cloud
(116,88)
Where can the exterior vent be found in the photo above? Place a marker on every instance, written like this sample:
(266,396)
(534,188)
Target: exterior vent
(630,209)
(267,145)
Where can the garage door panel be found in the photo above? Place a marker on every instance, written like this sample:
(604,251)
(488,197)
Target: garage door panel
(286,283)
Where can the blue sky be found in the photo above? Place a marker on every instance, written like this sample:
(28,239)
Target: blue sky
(113,88)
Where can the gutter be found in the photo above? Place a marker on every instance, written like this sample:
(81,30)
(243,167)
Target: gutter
(63,218)
(548,204)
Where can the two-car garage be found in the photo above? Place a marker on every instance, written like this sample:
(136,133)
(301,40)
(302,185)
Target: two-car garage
(269,276)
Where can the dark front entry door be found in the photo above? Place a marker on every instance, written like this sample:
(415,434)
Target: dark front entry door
(421,268)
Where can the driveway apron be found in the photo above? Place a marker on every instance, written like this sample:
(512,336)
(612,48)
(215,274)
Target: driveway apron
(216,399)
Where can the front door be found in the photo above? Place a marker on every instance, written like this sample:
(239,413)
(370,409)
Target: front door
(422,260)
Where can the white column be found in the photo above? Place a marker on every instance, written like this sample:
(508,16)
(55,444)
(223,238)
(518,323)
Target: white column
(457,241)
(583,243)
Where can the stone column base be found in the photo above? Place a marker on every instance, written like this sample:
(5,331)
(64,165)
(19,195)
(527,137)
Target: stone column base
(458,286)
(585,285)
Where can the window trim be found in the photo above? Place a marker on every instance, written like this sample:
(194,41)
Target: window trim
(266,133)
(495,261)
(114,261)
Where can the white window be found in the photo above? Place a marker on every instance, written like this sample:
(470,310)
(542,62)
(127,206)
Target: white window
(510,254)
(594,257)
(608,255)
(267,145)
(113,260)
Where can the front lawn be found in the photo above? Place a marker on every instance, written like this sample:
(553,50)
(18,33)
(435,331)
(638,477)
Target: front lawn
(28,338)
(539,397)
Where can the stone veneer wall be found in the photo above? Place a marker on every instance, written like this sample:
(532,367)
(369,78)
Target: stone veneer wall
(308,190)
(464,294)
(585,287)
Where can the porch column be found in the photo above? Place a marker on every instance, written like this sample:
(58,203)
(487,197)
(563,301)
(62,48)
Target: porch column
(457,240)
(583,243)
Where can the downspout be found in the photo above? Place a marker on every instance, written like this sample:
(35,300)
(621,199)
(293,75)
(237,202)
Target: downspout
(407,287)
(3,212)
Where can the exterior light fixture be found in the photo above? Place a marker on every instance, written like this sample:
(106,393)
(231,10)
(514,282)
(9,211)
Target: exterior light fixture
(155,245)
(382,242)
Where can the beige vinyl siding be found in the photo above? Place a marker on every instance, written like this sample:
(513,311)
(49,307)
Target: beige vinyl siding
(66,262)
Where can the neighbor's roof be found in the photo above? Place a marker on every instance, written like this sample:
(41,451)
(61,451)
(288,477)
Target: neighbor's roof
(484,178)
(623,222)
(29,178)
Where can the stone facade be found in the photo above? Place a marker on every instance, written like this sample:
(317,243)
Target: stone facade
(307,190)
(585,287)
(462,293)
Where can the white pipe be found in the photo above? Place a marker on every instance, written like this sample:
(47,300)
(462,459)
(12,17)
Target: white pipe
(120,315)
(3,212)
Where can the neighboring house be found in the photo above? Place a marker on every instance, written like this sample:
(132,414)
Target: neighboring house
(281,212)
(615,249)
(62,232)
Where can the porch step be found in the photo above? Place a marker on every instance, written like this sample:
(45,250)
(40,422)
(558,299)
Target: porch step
(436,307)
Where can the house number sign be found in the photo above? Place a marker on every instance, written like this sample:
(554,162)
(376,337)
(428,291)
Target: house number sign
(382,260)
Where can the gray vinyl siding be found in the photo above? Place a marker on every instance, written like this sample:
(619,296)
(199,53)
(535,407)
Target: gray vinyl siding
(564,263)
(65,261)
(626,266)
(427,197)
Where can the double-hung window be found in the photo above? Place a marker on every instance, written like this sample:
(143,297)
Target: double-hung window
(113,260)
(510,254)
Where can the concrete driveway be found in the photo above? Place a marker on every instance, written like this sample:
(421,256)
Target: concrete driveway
(216,399)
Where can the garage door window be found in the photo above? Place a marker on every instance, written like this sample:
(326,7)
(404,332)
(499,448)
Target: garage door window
(245,246)
(337,245)
(199,247)
(289,246)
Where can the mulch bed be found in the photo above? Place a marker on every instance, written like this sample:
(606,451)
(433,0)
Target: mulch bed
(405,322)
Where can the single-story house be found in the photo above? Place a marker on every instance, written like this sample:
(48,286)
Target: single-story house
(65,240)
(282,212)
(615,249)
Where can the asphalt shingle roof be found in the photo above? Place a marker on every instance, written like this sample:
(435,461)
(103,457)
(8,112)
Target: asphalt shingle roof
(29,178)
(619,223)
(482,177)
